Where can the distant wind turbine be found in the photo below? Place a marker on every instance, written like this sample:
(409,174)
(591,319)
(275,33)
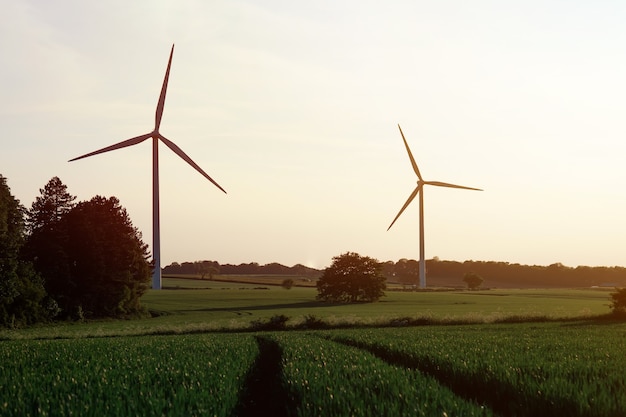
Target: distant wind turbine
(156,135)
(420,185)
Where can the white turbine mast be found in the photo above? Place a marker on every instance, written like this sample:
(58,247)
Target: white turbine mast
(420,190)
(156,136)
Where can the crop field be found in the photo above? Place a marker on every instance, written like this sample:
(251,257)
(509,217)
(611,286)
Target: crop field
(200,355)
(573,369)
(135,376)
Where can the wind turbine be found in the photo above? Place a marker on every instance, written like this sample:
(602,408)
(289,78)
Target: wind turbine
(156,136)
(420,187)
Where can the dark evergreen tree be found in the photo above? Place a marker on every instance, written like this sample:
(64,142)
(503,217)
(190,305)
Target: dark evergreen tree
(48,235)
(21,289)
(48,209)
(352,278)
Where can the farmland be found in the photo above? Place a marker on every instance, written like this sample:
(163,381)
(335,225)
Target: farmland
(200,356)
(184,375)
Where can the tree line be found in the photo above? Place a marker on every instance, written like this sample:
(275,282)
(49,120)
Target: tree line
(406,271)
(64,259)
(555,275)
(207,268)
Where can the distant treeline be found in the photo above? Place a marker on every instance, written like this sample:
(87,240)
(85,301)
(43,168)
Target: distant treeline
(495,273)
(406,271)
(253,268)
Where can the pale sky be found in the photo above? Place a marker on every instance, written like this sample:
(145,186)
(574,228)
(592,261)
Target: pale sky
(293,106)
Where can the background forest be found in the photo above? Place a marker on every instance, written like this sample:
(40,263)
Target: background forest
(439,273)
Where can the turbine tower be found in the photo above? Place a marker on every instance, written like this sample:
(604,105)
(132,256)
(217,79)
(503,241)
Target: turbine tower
(420,190)
(156,136)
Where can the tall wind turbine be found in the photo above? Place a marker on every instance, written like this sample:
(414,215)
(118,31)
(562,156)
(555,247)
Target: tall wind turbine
(156,136)
(420,187)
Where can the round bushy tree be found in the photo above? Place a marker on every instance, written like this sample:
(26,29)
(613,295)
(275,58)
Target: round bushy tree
(473,280)
(108,262)
(352,278)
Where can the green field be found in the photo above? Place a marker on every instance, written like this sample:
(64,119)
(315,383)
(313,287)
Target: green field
(199,355)
(215,305)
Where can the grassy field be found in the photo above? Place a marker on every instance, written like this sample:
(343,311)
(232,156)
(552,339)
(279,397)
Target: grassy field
(219,305)
(201,354)
(237,300)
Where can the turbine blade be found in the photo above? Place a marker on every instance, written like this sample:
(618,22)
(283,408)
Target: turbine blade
(408,201)
(161,105)
(445,184)
(415,168)
(183,155)
(123,144)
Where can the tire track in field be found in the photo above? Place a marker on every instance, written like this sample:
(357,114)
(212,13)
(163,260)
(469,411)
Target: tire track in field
(264,393)
(503,398)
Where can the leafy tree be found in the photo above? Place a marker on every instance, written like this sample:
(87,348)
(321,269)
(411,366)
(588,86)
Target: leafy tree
(212,271)
(473,280)
(108,261)
(21,289)
(618,302)
(204,268)
(352,278)
(48,238)
(287,283)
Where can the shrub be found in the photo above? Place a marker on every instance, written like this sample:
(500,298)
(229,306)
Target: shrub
(277,322)
(618,301)
(313,322)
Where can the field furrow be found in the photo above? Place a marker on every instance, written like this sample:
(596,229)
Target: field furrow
(263,392)
(330,379)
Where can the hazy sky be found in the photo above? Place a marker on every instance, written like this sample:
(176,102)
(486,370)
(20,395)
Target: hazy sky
(293,107)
